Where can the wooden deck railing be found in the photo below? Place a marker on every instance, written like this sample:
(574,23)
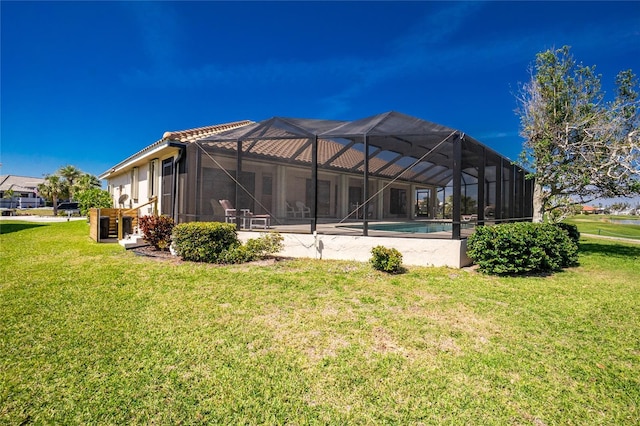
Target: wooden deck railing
(115,228)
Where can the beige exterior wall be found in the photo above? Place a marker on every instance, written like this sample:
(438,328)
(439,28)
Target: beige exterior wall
(415,251)
(139,180)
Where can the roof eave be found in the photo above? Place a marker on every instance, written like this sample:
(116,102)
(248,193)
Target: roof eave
(152,151)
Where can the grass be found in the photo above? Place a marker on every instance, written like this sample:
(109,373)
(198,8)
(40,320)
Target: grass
(41,211)
(606,226)
(90,333)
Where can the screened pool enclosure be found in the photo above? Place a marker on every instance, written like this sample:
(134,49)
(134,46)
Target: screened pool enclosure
(355,177)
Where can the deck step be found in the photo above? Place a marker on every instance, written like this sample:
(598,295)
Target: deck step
(133,241)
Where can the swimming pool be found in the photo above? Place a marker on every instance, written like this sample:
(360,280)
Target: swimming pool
(411,227)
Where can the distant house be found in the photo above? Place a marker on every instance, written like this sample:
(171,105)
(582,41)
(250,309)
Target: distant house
(594,210)
(588,210)
(25,192)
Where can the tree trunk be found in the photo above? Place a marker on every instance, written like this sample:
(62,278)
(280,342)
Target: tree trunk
(538,204)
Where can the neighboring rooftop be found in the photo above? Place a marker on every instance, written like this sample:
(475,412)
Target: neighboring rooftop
(19,183)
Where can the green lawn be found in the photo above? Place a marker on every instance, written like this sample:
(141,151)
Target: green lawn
(35,212)
(92,334)
(606,225)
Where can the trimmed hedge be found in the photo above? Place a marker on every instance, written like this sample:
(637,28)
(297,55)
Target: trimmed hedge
(217,242)
(571,230)
(204,241)
(386,259)
(521,248)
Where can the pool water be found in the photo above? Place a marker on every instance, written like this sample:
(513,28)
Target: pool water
(410,227)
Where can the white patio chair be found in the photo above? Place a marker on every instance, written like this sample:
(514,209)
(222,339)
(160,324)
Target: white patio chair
(302,209)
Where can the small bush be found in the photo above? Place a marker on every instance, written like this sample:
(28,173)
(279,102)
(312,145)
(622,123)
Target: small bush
(520,248)
(216,242)
(157,230)
(253,249)
(205,241)
(265,245)
(570,229)
(386,259)
(236,254)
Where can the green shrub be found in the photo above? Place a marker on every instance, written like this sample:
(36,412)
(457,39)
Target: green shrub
(570,229)
(253,249)
(265,245)
(520,248)
(216,242)
(93,198)
(157,230)
(205,241)
(386,259)
(236,254)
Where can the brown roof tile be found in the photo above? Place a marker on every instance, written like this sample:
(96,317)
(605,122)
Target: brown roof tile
(280,148)
(191,135)
(286,148)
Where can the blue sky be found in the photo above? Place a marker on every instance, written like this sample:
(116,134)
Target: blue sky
(90,83)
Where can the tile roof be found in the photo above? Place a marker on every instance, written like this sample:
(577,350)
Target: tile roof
(191,135)
(295,149)
(187,136)
(288,148)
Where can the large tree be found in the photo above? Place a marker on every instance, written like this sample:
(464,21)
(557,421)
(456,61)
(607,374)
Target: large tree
(53,188)
(580,146)
(71,174)
(93,198)
(84,182)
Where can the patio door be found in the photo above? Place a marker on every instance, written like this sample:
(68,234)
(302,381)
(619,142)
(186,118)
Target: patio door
(423,202)
(355,201)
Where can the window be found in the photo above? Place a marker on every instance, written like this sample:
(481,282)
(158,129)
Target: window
(398,201)
(134,184)
(267,184)
(324,196)
(153,186)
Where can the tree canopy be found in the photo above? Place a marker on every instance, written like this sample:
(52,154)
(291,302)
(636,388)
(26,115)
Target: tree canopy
(67,182)
(579,145)
(53,189)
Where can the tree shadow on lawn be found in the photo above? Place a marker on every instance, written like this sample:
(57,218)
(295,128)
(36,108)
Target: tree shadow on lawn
(7,228)
(617,250)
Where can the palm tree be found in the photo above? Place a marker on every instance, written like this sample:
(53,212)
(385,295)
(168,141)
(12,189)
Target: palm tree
(71,174)
(86,181)
(53,188)
(8,194)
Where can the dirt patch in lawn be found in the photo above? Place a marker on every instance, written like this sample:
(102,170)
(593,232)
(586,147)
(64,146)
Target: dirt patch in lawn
(166,256)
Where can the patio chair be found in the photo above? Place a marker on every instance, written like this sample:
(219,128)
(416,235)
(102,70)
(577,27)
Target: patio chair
(229,211)
(302,209)
(291,212)
(254,220)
